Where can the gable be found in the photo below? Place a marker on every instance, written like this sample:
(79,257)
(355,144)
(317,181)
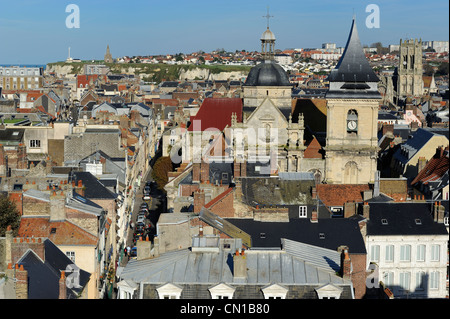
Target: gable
(267,112)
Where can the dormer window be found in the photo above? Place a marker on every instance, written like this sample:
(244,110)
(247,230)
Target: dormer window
(418,221)
(384,221)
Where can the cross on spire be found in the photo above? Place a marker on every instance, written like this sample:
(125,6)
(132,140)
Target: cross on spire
(268,16)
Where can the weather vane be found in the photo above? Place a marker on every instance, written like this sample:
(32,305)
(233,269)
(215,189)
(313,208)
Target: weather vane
(268,16)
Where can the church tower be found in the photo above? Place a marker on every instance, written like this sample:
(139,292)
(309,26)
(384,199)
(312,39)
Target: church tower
(352,114)
(108,57)
(267,79)
(410,69)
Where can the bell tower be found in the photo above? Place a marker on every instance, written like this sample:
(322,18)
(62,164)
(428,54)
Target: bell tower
(352,114)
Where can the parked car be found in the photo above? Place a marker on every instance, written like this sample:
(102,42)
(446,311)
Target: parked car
(141,219)
(133,253)
(140,227)
(144,205)
(146,196)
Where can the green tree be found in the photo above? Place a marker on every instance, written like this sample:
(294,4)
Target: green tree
(9,215)
(162,167)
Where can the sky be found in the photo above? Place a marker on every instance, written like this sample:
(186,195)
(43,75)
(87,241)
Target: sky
(35,31)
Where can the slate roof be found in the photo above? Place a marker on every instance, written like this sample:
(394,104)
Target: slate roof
(43,276)
(401,219)
(267,73)
(417,140)
(94,189)
(337,232)
(205,267)
(353,65)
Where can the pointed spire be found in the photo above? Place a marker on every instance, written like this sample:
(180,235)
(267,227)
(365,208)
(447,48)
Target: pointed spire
(353,65)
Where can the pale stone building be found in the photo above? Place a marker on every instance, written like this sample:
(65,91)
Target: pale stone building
(268,78)
(352,112)
(410,69)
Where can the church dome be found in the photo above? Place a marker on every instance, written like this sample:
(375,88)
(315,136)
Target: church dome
(267,73)
(268,36)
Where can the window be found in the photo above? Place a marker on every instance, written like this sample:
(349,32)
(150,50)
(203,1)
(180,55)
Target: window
(225,176)
(302,212)
(420,276)
(169,291)
(420,253)
(434,280)
(222,291)
(375,253)
(405,253)
(389,253)
(35,143)
(389,278)
(446,218)
(71,255)
(405,280)
(435,252)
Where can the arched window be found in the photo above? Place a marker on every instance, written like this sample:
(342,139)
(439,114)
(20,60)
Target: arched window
(351,173)
(352,122)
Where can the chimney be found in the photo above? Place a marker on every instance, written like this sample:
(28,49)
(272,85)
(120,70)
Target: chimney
(237,169)
(79,188)
(8,245)
(349,209)
(439,212)
(196,172)
(421,164)
(57,206)
(156,246)
(346,264)
(204,172)
(21,282)
(144,248)
(62,286)
(366,210)
(240,264)
(199,200)
(314,193)
(314,216)
(244,169)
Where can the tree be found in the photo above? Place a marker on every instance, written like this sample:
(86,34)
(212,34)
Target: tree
(9,215)
(160,171)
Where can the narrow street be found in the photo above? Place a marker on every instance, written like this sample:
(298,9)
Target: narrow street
(156,207)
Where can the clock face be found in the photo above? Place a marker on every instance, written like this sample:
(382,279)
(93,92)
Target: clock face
(351,125)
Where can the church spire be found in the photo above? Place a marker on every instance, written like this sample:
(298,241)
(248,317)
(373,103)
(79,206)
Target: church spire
(268,41)
(353,65)
(353,76)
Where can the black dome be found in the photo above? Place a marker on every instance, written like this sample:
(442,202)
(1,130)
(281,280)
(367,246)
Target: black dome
(267,73)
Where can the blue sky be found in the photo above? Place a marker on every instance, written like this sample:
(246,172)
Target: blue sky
(34,31)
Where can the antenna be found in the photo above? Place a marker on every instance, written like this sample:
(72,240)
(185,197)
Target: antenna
(268,16)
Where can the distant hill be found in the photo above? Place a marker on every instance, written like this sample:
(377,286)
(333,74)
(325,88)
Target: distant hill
(157,72)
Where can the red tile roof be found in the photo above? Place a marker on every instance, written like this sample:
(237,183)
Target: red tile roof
(338,195)
(218,198)
(433,170)
(313,149)
(66,233)
(216,113)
